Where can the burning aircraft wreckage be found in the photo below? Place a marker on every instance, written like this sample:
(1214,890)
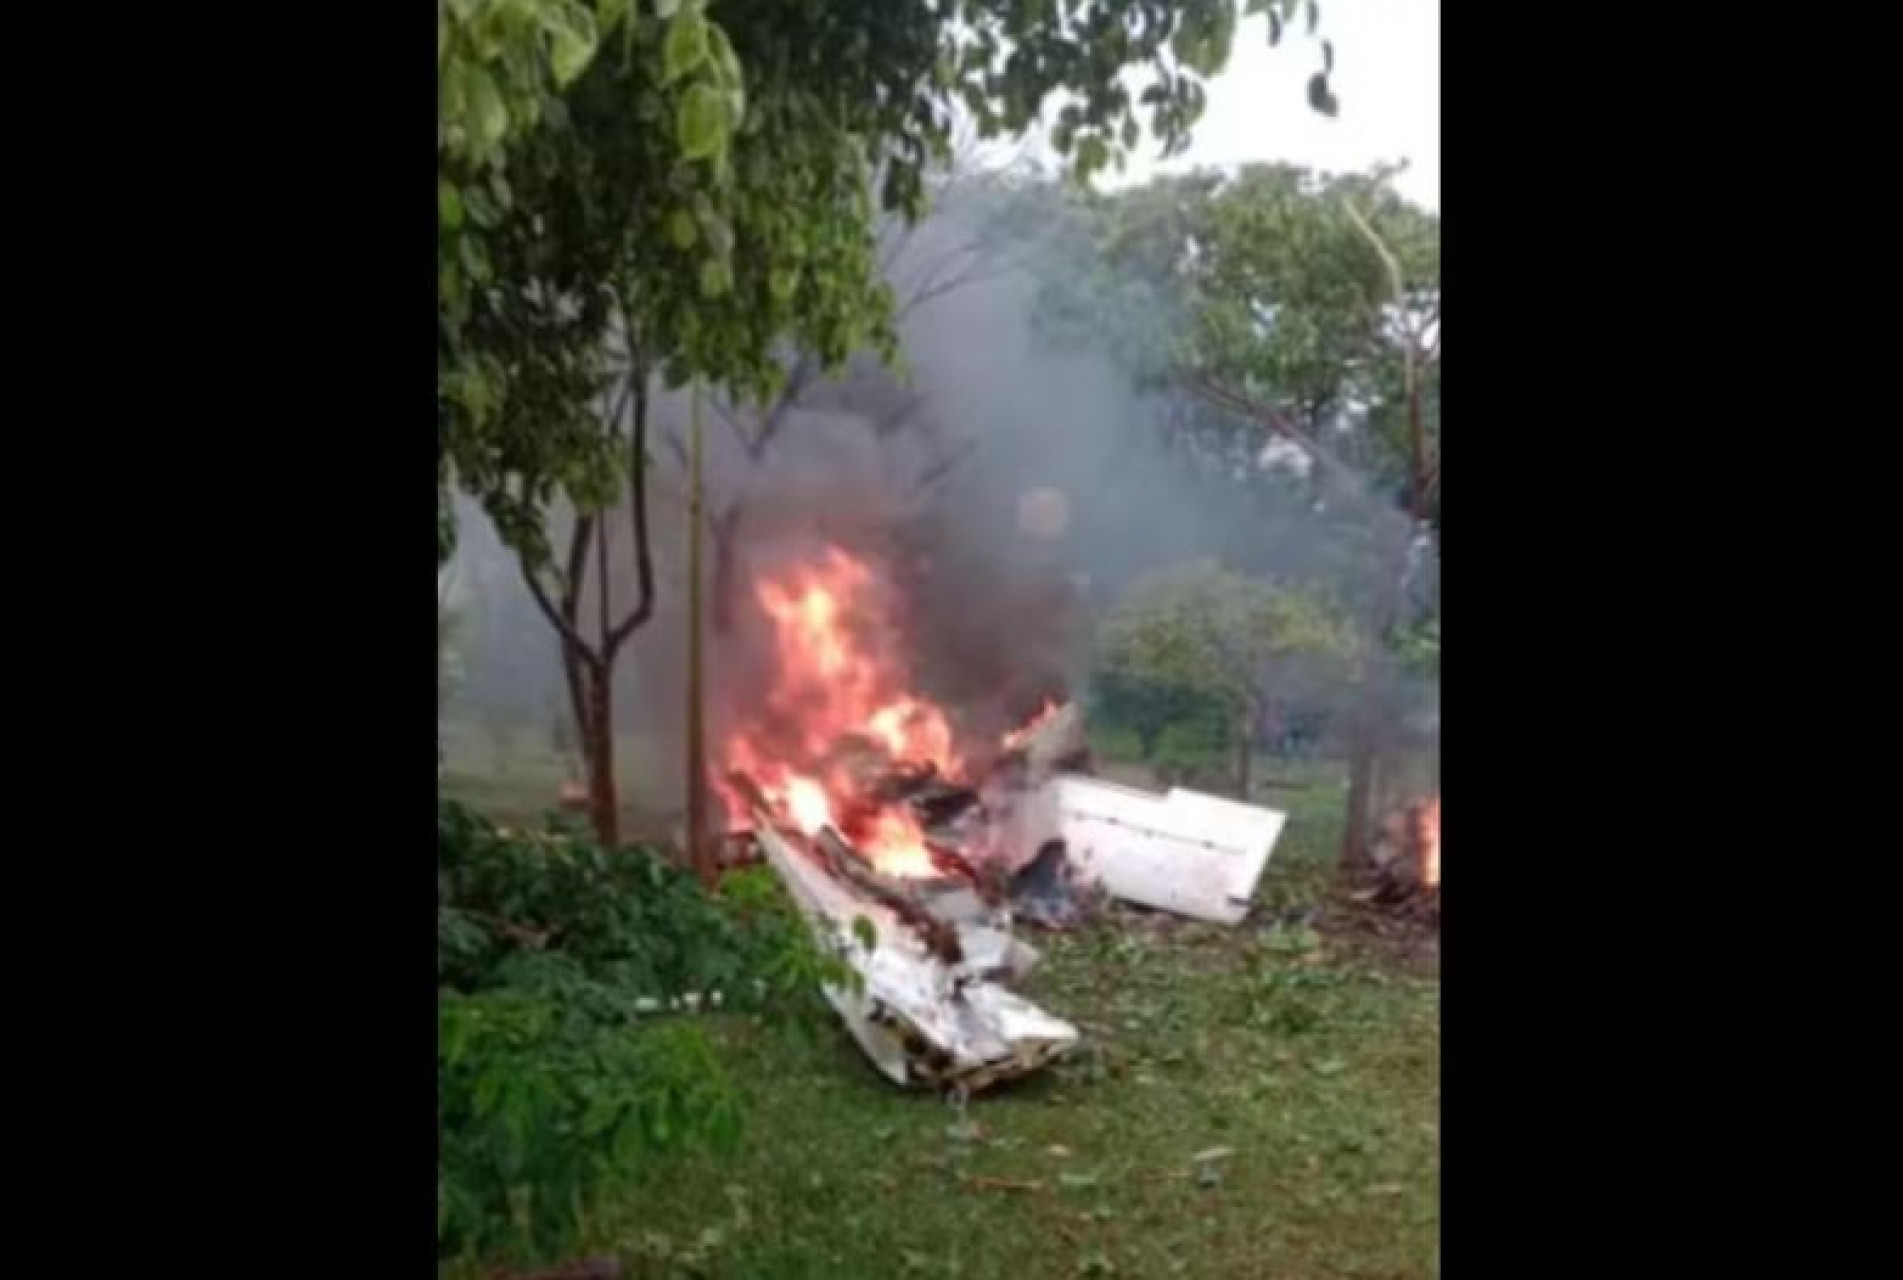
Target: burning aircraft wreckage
(913,859)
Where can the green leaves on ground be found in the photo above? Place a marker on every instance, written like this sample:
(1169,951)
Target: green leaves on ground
(778,120)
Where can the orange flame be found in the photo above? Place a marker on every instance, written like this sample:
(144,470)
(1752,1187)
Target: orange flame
(838,680)
(897,845)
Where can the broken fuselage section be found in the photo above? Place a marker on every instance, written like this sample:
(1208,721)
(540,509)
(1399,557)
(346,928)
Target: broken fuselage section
(927,1006)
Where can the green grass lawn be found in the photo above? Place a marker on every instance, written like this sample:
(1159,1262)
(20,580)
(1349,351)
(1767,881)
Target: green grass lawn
(1251,1102)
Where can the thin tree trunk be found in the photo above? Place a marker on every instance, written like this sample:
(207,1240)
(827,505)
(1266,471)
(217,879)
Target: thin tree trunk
(1364,756)
(573,653)
(1245,754)
(726,583)
(601,782)
(1364,731)
(1364,747)
(699,851)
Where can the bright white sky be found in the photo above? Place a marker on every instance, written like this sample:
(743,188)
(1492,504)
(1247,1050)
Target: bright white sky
(1387,78)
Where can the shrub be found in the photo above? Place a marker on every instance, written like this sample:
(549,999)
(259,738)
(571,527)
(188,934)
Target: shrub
(553,1078)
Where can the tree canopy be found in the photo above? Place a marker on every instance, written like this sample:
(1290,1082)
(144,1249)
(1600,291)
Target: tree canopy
(705,179)
(1214,633)
(1272,304)
(1275,309)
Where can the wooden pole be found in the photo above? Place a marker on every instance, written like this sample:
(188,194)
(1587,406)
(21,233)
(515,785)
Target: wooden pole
(699,853)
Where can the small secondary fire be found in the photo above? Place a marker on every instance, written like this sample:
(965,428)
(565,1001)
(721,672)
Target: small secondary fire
(1406,856)
(1425,826)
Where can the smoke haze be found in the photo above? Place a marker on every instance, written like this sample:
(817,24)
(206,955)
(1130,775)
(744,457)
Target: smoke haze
(930,480)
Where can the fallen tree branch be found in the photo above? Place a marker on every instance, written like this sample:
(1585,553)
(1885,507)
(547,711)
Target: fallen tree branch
(943,467)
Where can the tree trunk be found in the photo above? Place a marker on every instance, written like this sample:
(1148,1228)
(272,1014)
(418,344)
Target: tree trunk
(577,702)
(700,855)
(1364,757)
(604,804)
(1364,729)
(1364,751)
(589,680)
(573,654)
(588,667)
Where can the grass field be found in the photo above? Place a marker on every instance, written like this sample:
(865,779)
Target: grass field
(1251,1102)
(515,776)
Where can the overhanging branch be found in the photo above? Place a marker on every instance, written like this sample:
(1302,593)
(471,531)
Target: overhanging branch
(1278,422)
(933,474)
(975,275)
(672,440)
(796,380)
(556,620)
